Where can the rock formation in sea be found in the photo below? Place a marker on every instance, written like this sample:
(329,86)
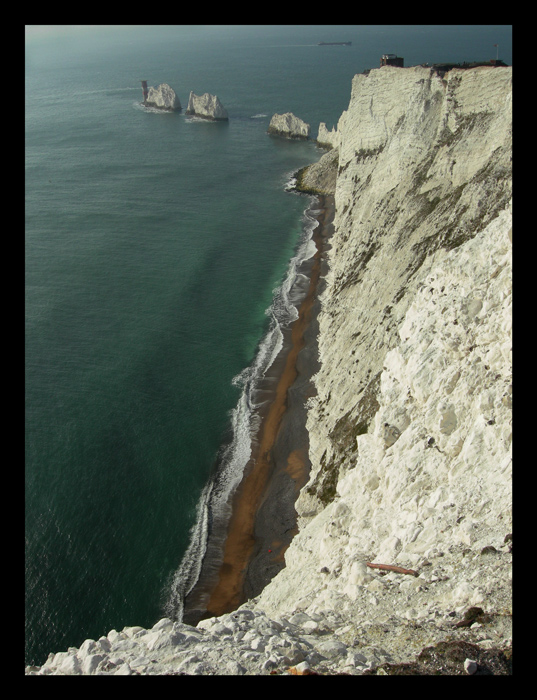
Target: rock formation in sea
(288,126)
(403,559)
(320,177)
(163,97)
(325,138)
(206,106)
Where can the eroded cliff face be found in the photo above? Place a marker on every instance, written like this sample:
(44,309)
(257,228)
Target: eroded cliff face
(410,431)
(424,165)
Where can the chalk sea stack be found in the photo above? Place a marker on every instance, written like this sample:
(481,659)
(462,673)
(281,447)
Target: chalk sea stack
(163,97)
(206,106)
(288,126)
(325,138)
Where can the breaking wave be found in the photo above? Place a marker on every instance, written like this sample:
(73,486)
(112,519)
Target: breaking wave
(208,534)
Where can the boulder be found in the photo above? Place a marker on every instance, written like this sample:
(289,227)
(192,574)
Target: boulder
(163,97)
(206,106)
(289,126)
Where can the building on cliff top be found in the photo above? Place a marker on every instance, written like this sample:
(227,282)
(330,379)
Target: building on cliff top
(391,59)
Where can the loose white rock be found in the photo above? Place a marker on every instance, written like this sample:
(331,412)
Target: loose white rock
(470,666)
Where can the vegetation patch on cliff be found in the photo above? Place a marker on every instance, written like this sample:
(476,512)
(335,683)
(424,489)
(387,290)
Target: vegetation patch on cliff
(343,438)
(448,658)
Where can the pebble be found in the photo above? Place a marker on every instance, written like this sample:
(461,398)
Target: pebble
(470,667)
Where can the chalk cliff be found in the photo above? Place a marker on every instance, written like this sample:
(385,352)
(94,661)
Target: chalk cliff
(288,126)
(206,106)
(163,97)
(410,428)
(410,431)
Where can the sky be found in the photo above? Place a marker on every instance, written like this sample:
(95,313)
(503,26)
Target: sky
(454,40)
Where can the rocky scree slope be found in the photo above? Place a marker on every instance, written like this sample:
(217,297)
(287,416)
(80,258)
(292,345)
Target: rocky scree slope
(410,430)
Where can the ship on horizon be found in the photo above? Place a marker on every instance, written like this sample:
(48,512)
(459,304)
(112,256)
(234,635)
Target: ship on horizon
(334,43)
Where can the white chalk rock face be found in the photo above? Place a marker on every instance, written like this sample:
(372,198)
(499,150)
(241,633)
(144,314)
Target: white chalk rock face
(163,97)
(328,139)
(410,428)
(289,126)
(206,106)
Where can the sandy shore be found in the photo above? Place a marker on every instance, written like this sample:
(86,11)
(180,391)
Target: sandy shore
(263,519)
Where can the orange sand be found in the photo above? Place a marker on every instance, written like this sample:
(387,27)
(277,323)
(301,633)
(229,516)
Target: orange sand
(228,593)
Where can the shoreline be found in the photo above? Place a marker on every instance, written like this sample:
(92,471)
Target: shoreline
(263,519)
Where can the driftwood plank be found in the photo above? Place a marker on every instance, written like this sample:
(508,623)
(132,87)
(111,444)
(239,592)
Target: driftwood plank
(389,567)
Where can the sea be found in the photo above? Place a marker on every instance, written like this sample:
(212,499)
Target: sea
(162,261)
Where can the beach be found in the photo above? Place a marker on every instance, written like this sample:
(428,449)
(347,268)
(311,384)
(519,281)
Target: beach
(263,518)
